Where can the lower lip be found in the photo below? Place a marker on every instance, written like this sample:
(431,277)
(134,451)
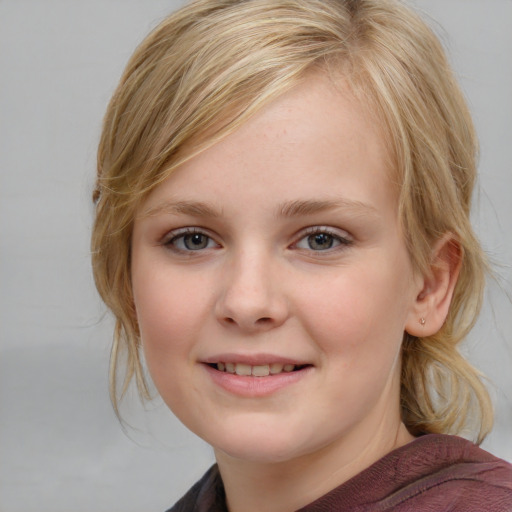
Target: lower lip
(255,387)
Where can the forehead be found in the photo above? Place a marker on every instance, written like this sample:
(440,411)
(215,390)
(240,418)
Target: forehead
(315,140)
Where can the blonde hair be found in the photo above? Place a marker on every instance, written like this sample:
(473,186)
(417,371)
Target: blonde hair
(209,66)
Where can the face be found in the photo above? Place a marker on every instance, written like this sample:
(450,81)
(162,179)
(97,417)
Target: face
(272,284)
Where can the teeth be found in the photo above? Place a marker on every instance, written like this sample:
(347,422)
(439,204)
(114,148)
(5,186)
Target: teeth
(276,368)
(242,369)
(261,371)
(257,371)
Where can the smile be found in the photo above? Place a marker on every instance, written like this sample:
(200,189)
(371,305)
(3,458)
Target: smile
(263,370)
(255,376)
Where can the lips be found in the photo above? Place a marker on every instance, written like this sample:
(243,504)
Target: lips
(256,375)
(259,370)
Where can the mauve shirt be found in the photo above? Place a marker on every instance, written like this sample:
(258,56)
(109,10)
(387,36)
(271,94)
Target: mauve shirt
(433,473)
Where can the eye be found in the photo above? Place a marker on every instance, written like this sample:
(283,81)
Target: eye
(190,240)
(322,239)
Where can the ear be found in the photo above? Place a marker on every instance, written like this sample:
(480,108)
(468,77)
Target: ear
(432,303)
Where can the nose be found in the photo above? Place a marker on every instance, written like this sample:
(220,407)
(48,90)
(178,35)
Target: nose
(252,294)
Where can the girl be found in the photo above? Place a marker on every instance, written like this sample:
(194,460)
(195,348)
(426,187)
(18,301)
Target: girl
(282,228)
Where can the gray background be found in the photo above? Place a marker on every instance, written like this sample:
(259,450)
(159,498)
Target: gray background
(61,447)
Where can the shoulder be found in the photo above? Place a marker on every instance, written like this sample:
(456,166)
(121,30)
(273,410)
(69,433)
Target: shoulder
(206,495)
(441,472)
(434,473)
(438,473)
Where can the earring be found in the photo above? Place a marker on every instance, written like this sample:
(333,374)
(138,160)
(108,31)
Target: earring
(422,321)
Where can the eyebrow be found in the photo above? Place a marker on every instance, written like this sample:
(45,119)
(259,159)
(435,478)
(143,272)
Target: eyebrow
(310,207)
(296,208)
(192,208)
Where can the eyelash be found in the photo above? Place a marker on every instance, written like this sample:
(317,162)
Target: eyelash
(343,241)
(171,240)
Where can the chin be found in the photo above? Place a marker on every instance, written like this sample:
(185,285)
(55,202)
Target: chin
(261,445)
(258,452)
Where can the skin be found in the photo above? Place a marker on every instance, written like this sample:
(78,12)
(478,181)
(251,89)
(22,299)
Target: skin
(258,284)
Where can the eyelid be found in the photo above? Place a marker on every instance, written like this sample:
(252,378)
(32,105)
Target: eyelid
(340,235)
(175,234)
(344,238)
(338,232)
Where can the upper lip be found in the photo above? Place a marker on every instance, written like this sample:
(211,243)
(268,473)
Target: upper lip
(253,359)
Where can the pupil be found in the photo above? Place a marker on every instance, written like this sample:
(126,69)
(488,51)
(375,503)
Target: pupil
(195,241)
(320,241)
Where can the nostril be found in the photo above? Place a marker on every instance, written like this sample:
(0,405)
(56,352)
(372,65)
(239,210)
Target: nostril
(264,320)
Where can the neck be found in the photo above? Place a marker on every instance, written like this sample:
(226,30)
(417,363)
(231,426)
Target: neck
(290,485)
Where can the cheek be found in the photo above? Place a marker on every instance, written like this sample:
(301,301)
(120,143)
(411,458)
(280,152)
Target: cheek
(359,310)
(167,329)
(168,313)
